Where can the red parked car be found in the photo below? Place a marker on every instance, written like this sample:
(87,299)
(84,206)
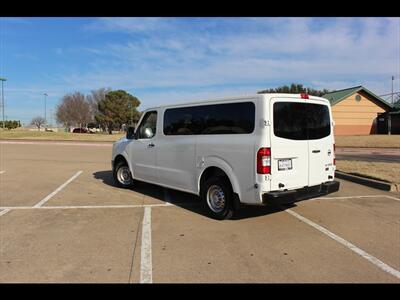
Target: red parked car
(80,130)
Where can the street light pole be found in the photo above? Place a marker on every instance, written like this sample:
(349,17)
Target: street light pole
(45,120)
(392,89)
(2,98)
(130,107)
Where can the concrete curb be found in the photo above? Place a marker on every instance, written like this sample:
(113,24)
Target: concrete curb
(376,184)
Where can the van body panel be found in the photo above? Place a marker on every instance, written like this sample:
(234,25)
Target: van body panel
(176,161)
(179,160)
(142,153)
(143,160)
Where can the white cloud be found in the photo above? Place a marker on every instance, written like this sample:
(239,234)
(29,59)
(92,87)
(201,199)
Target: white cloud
(130,25)
(345,50)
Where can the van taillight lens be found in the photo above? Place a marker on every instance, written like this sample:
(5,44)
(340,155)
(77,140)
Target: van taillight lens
(334,154)
(264,161)
(304,96)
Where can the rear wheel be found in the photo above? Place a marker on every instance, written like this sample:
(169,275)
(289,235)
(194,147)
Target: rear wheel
(122,175)
(217,197)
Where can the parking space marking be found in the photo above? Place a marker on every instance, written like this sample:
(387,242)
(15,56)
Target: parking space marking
(348,197)
(86,206)
(146,272)
(2,172)
(356,197)
(347,244)
(48,197)
(3,212)
(393,198)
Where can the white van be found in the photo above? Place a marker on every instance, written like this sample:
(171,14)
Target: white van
(232,151)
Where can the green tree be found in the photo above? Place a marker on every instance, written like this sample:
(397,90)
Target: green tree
(396,104)
(10,124)
(296,88)
(117,108)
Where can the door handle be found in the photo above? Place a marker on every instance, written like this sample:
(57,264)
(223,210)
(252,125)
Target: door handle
(316,151)
(151,145)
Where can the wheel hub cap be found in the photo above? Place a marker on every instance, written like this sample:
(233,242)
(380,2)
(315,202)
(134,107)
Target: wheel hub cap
(216,198)
(124,175)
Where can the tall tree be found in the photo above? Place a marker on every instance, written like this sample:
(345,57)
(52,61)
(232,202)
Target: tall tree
(73,110)
(94,98)
(296,88)
(38,122)
(116,109)
(396,103)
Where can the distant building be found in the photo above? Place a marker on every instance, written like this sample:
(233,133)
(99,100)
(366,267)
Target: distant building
(355,110)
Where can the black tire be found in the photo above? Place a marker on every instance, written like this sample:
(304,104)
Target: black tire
(216,185)
(122,166)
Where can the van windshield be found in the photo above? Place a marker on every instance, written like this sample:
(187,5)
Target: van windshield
(301,121)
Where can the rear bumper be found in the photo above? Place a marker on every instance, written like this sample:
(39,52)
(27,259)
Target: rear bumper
(282,197)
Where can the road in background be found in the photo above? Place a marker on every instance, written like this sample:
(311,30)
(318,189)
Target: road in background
(369,154)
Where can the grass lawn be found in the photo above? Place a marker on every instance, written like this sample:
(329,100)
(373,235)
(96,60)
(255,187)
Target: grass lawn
(21,134)
(365,141)
(389,172)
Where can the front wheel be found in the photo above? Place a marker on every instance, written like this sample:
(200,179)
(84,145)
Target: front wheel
(217,196)
(122,175)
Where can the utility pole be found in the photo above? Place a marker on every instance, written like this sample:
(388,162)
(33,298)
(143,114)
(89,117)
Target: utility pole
(2,98)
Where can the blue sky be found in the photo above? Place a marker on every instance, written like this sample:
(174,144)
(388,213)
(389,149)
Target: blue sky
(166,60)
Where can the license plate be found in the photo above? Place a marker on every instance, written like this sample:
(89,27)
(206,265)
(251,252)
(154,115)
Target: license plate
(284,164)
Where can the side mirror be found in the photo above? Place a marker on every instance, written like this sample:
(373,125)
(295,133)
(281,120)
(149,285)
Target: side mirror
(148,133)
(130,133)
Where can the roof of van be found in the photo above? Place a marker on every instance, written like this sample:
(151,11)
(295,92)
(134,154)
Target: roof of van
(243,97)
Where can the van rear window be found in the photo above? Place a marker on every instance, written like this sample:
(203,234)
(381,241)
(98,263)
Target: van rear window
(301,121)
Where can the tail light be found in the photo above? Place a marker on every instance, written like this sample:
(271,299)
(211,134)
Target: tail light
(304,96)
(264,161)
(334,154)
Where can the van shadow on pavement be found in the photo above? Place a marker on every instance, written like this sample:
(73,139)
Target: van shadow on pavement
(185,200)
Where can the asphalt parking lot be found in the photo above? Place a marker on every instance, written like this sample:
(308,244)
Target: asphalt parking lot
(63,220)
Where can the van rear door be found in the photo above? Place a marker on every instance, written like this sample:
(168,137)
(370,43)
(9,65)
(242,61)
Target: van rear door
(320,143)
(302,142)
(289,145)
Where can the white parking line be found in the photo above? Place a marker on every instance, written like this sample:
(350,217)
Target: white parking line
(348,197)
(393,198)
(347,244)
(2,172)
(3,212)
(146,272)
(48,197)
(356,197)
(85,206)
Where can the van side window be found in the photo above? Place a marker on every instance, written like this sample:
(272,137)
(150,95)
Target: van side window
(148,126)
(181,121)
(230,118)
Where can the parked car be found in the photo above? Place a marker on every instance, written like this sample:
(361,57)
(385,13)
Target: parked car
(80,130)
(260,149)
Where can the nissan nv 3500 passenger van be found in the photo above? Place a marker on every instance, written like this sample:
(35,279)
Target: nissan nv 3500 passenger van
(260,149)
